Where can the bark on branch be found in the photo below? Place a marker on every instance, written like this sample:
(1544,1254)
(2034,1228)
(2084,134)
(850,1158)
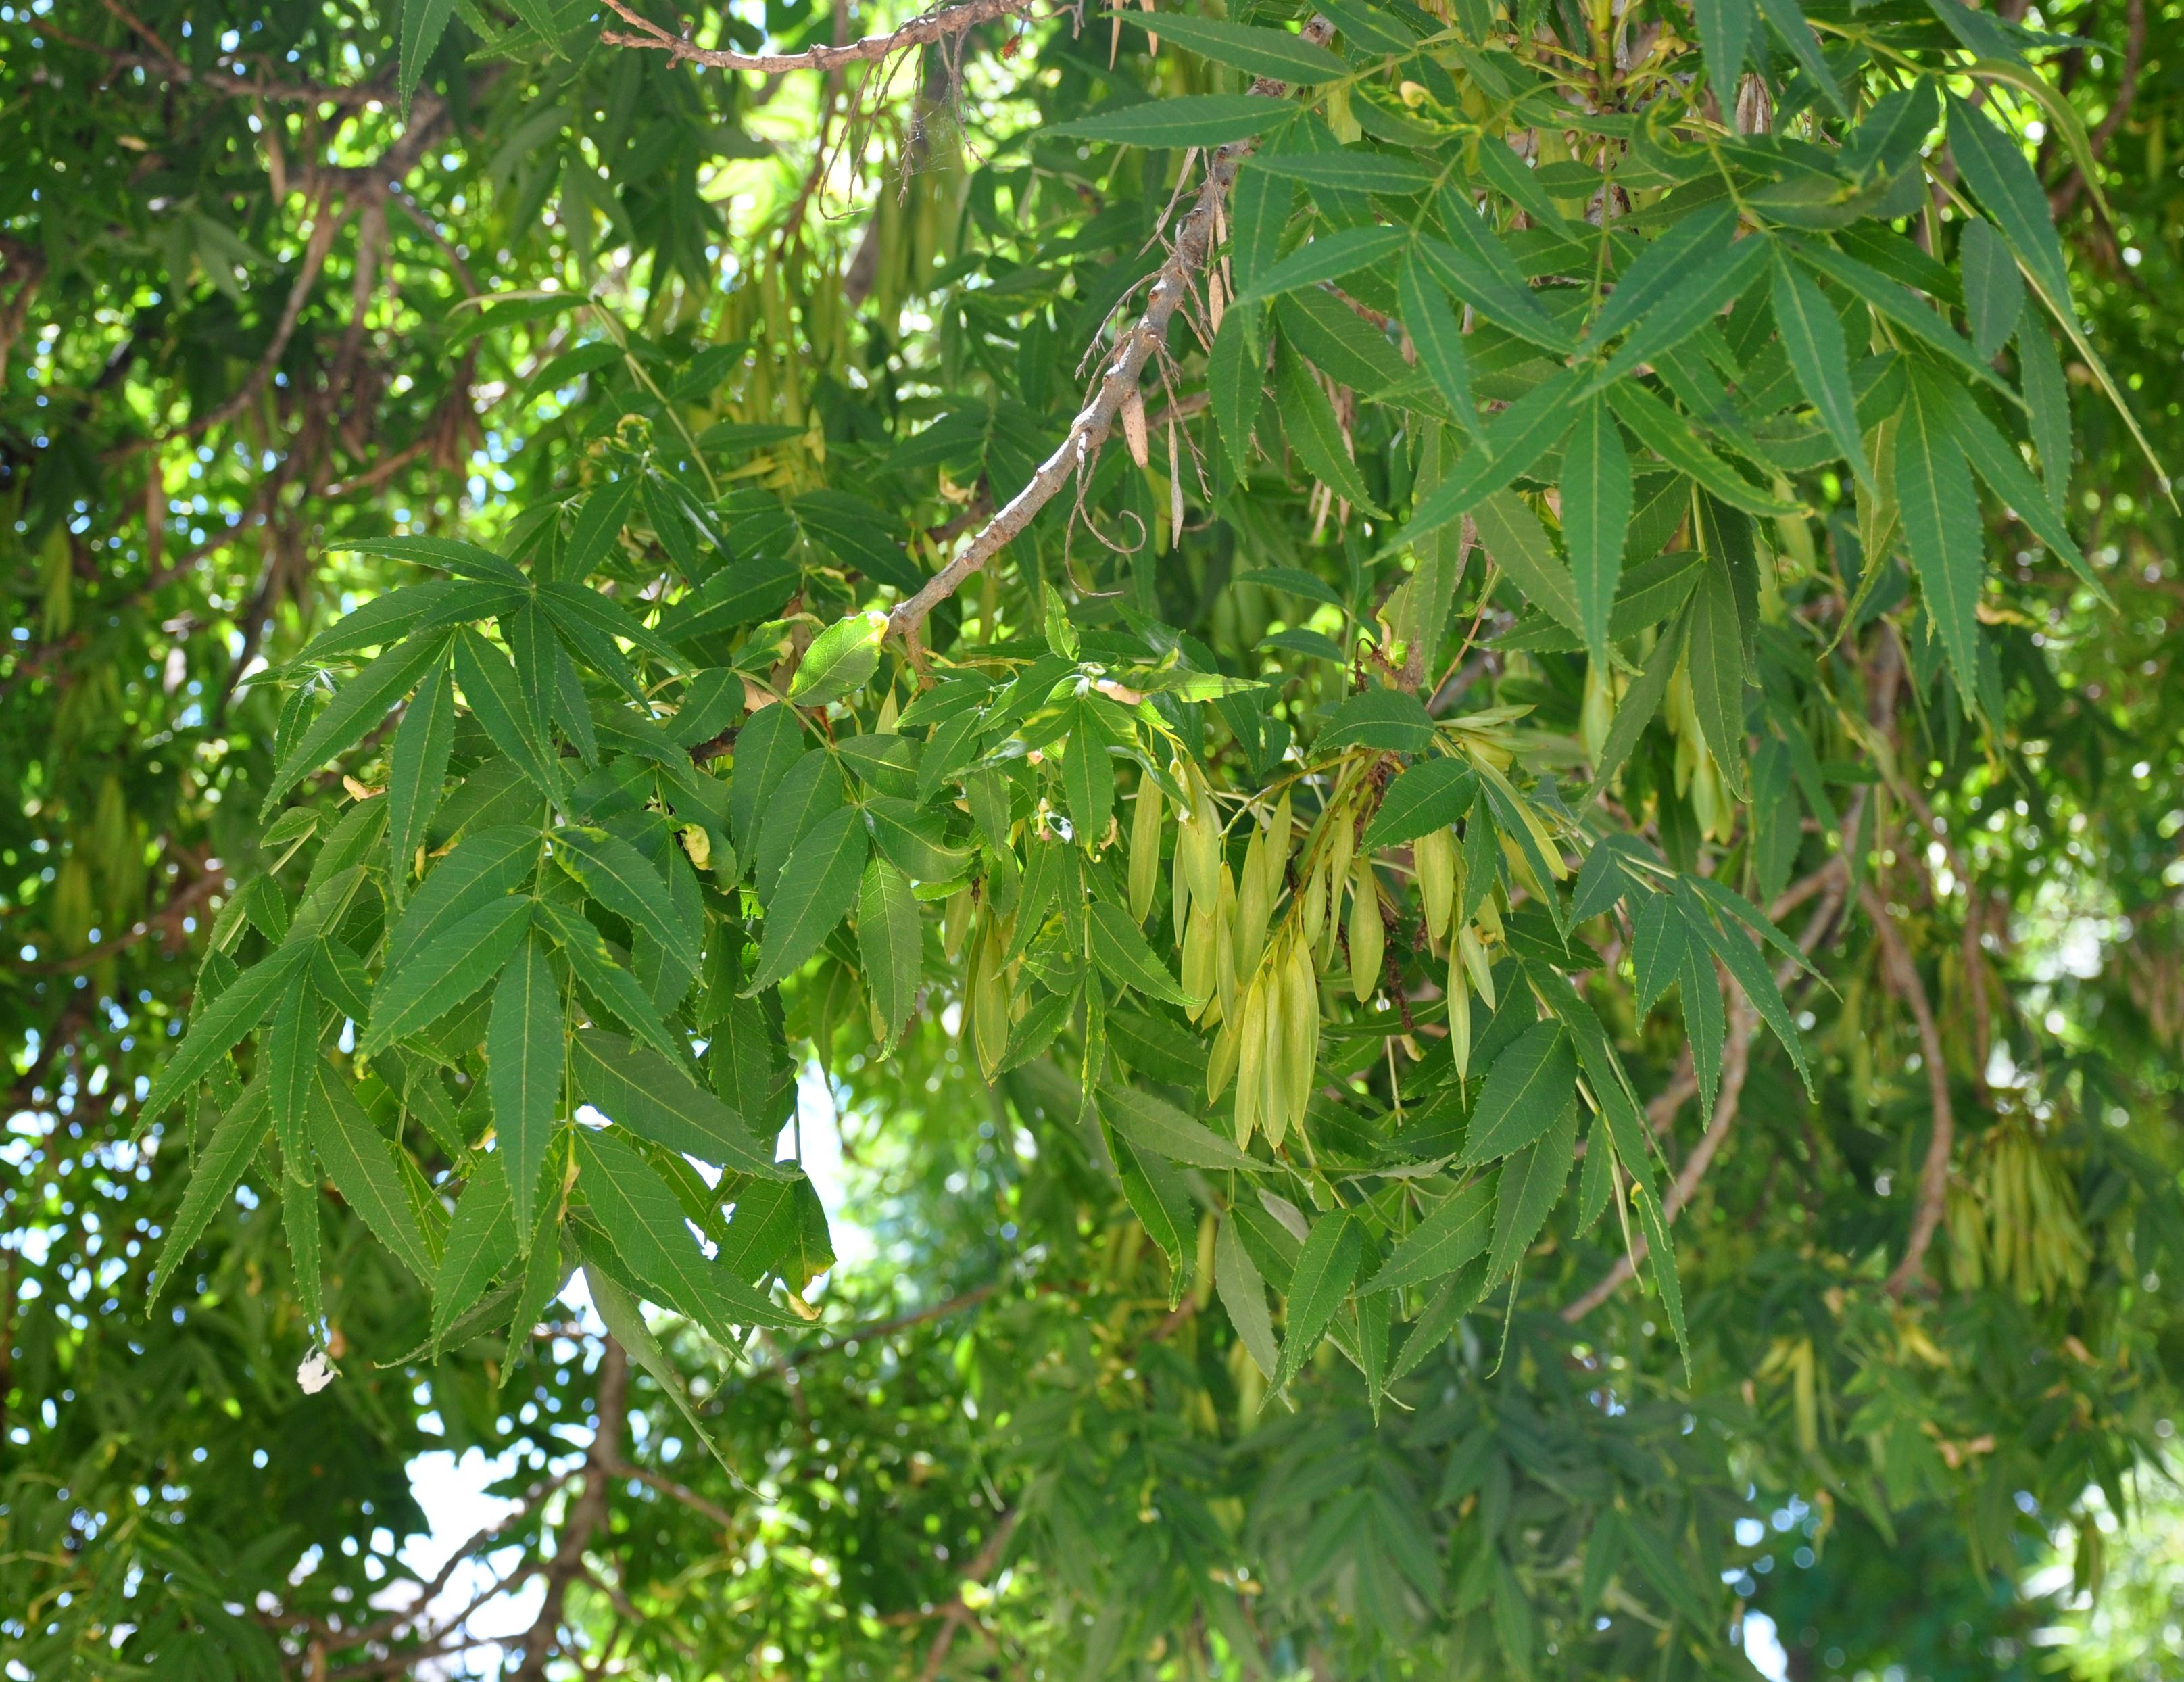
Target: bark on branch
(1830,881)
(952,20)
(1126,367)
(1902,975)
(588,1512)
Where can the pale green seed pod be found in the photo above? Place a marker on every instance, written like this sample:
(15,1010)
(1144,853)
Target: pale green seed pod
(1314,909)
(989,1006)
(1253,904)
(1221,1068)
(1224,943)
(1144,847)
(955,924)
(1198,976)
(1459,1015)
(1433,854)
(1368,937)
(1250,1063)
(1470,951)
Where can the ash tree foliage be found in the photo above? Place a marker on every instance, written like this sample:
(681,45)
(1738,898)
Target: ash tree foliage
(1451,725)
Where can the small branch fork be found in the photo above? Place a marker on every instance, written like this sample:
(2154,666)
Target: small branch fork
(940,25)
(1831,881)
(1901,972)
(1126,367)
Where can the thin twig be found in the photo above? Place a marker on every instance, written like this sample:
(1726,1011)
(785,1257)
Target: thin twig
(1088,433)
(1902,975)
(1735,1060)
(1736,1051)
(953,1619)
(939,25)
(2134,57)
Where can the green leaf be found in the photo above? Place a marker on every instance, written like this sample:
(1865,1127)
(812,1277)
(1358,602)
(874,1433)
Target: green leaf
(444,971)
(765,752)
(485,868)
(361,1161)
(1749,969)
(890,944)
(1126,959)
(1430,1331)
(357,705)
(840,661)
(599,523)
(652,1238)
(2004,182)
(1428,795)
(1789,21)
(1151,1124)
(1596,516)
(1309,419)
(1329,258)
(914,839)
(1312,645)
(1358,170)
(482,1243)
(1676,441)
(606,980)
(626,1321)
(1717,671)
(1393,721)
(1724,31)
(1275,53)
(1088,781)
(1997,461)
(525,1047)
(383,620)
(1511,444)
(417,770)
(1518,543)
(1657,948)
(1326,1268)
(1443,1242)
(1664,265)
(818,884)
(858,536)
(236,1137)
(1899,306)
(1472,266)
(291,1057)
(299,1225)
(1195,119)
(1523,1093)
(496,699)
(1233,380)
(1531,1184)
(1994,292)
(1158,1197)
(1697,298)
(620,879)
(598,622)
(812,789)
(2048,402)
(1813,336)
(423,23)
(1941,529)
(1439,339)
(1244,1294)
(465,561)
(220,1027)
(656,1100)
